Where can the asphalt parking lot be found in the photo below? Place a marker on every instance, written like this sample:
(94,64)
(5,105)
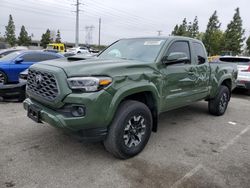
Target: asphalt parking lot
(190,149)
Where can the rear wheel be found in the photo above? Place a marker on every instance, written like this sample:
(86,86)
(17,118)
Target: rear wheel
(130,130)
(248,92)
(218,105)
(3,78)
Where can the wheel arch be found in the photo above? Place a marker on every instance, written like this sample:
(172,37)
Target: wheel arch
(228,83)
(145,94)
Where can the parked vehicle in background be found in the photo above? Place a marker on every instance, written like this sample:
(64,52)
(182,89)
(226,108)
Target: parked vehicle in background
(17,91)
(118,96)
(243,66)
(78,50)
(11,65)
(56,47)
(4,45)
(7,51)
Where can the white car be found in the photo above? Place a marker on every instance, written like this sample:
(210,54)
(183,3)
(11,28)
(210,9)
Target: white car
(78,50)
(243,65)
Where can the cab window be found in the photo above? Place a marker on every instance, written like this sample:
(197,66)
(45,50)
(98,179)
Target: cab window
(200,54)
(180,46)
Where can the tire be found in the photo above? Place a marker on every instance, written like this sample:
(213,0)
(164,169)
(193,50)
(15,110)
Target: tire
(218,105)
(3,78)
(130,130)
(248,92)
(22,96)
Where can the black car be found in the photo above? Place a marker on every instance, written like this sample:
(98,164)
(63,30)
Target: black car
(15,90)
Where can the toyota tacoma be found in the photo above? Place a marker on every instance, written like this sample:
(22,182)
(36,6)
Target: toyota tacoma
(117,96)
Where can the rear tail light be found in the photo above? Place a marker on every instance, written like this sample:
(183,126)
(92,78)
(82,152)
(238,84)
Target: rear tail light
(247,70)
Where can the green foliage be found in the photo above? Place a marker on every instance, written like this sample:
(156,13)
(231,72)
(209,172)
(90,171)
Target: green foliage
(213,38)
(10,32)
(234,34)
(46,39)
(58,37)
(187,29)
(248,45)
(194,28)
(175,31)
(24,39)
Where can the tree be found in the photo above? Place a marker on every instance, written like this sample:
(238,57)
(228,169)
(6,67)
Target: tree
(180,30)
(46,39)
(213,37)
(248,45)
(10,32)
(183,28)
(24,39)
(175,31)
(58,37)
(194,28)
(234,34)
(187,29)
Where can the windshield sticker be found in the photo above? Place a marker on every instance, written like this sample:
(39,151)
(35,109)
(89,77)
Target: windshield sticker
(153,43)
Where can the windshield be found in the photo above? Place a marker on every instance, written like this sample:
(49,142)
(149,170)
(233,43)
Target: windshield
(10,56)
(134,49)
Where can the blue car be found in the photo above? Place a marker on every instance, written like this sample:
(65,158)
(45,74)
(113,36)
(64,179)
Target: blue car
(14,63)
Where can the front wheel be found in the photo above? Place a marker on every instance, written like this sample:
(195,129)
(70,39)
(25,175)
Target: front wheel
(218,105)
(130,130)
(3,78)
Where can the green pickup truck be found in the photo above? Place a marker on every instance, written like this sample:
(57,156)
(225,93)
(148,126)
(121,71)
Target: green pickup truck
(117,96)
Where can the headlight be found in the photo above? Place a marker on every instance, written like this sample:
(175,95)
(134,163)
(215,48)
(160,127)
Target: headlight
(89,83)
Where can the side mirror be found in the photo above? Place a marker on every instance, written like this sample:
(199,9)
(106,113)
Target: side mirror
(175,57)
(19,60)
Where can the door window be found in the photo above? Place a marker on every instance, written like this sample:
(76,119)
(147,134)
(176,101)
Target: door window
(180,46)
(36,57)
(30,58)
(200,54)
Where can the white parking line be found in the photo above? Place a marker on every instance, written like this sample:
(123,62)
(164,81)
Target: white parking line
(232,141)
(187,175)
(13,117)
(200,166)
(232,123)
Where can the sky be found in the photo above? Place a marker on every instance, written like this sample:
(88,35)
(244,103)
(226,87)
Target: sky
(119,18)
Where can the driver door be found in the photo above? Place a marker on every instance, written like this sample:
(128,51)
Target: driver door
(178,78)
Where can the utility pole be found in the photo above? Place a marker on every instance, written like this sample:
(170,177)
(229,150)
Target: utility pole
(77,23)
(99,38)
(159,32)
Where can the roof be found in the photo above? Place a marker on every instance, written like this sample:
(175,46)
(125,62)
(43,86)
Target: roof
(165,38)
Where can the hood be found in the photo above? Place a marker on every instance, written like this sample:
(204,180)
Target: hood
(95,66)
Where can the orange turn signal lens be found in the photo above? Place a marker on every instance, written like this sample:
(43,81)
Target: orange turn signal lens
(105,82)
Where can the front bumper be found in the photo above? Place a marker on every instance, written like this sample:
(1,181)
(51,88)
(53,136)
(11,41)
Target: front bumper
(91,126)
(12,90)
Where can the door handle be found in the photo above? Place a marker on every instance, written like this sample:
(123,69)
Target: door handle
(190,73)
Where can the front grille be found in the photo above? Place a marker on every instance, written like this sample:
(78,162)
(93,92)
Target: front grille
(42,84)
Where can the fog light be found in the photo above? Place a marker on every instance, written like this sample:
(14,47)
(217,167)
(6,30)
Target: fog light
(78,111)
